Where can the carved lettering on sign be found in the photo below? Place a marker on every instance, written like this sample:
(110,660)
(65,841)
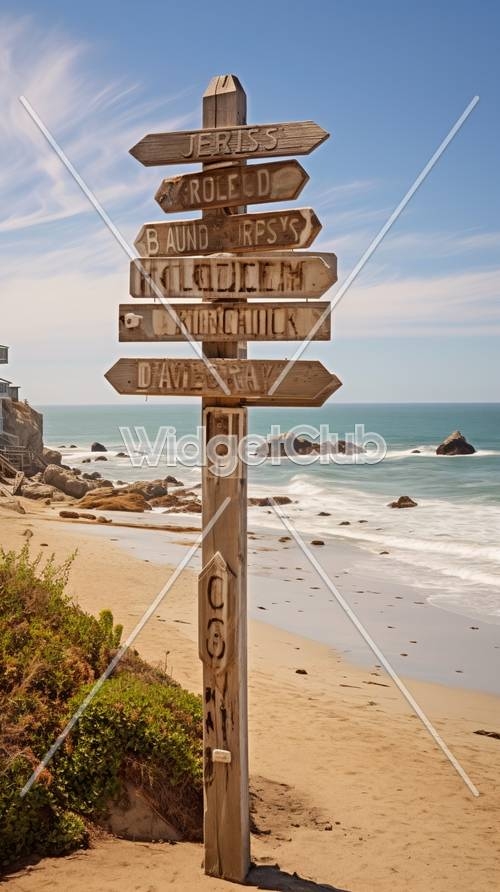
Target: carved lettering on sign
(215,638)
(287,274)
(232,187)
(224,144)
(235,232)
(225,321)
(307,381)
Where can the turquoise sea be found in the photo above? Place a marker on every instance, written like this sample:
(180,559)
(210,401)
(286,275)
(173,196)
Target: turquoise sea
(449,544)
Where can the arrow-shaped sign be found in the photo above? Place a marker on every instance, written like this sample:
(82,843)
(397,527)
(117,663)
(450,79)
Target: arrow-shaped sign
(267,231)
(286,274)
(307,383)
(232,186)
(229,143)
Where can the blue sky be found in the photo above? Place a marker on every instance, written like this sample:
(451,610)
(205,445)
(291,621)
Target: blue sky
(386,79)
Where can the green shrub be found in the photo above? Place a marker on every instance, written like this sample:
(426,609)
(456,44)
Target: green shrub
(140,726)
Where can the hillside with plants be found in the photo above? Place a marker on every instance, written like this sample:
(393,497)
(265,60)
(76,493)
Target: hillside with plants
(141,728)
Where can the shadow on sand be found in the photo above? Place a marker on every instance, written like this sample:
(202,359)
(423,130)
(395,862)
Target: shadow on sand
(276,880)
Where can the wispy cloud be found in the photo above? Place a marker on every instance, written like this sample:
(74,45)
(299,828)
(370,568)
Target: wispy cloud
(96,122)
(464,303)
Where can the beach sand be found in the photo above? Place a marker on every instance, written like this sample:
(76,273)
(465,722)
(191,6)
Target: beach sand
(349,790)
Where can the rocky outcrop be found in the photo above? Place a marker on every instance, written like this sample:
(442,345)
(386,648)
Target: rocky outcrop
(266,501)
(403,502)
(98,447)
(22,427)
(65,481)
(289,445)
(150,489)
(185,502)
(109,499)
(455,444)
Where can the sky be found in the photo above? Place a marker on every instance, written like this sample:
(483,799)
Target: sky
(387,80)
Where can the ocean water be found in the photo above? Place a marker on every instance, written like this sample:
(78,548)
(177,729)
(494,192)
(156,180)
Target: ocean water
(449,545)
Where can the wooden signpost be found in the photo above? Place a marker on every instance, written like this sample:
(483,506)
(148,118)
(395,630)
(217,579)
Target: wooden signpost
(286,274)
(227,187)
(246,295)
(235,232)
(227,321)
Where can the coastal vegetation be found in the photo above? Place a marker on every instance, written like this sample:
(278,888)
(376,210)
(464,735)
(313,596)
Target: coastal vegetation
(140,729)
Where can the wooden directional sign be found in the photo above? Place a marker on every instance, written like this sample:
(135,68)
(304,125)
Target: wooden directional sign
(241,233)
(227,321)
(232,186)
(286,274)
(307,383)
(229,143)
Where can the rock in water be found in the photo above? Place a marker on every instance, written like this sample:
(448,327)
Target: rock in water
(403,502)
(455,444)
(98,447)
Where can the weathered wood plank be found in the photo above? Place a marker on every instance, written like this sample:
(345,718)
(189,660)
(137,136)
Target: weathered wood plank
(249,380)
(287,274)
(266,231)
(227,321)
(227,807)
(232,186)
(227,142)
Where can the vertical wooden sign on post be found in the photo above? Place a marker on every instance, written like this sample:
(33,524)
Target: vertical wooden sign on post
(227,811)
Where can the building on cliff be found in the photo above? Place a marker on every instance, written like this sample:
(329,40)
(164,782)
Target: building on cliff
(21,428)
(8,390)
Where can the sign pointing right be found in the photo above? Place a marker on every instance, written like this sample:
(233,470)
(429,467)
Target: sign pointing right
(229,143)
(232,187)
(307,383)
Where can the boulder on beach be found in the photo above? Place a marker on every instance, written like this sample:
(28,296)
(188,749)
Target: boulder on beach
(65,481)
(51,456)
(100,458)
(109,499)
(37,491)
(98,447)
(403,502)
(455,444)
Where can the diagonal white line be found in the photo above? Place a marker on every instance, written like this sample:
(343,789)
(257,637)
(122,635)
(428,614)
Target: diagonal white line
(377,240)
(126,247)
(123,649)
(375,649)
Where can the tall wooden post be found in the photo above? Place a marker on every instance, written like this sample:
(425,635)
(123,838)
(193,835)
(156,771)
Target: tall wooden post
(223,593)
